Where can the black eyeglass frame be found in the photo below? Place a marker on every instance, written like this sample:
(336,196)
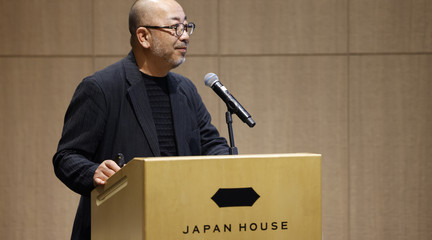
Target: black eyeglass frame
(190,25)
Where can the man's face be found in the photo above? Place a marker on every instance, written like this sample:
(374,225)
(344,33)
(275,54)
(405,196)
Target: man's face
(170,48)
(166,45)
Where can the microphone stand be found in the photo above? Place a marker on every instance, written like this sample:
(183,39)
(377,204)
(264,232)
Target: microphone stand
(233,149)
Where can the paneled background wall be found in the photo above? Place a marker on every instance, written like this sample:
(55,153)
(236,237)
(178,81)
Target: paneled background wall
(351,79)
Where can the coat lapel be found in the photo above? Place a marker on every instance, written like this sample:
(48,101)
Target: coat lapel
(139,100)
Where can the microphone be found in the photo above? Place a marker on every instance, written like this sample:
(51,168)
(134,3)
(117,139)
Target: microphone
(211,80)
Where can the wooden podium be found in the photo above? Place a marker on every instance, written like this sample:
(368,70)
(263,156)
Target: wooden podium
(275,196)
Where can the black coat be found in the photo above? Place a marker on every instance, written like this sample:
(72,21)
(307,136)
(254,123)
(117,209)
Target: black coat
(109,114)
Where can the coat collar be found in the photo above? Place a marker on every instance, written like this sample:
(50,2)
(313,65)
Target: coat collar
(139,100)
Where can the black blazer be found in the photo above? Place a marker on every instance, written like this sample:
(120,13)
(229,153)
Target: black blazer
(109,114)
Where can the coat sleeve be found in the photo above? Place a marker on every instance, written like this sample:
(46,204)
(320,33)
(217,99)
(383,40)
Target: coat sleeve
(83,128)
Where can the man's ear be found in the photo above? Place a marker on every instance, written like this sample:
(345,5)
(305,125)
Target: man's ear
(143,36)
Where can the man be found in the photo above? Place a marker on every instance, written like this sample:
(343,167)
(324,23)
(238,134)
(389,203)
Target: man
(136,107)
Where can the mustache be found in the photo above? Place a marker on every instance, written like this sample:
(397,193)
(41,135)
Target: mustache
(181,45)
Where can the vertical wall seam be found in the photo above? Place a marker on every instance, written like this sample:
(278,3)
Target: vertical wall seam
(93,37)
(218,54)
(348,77)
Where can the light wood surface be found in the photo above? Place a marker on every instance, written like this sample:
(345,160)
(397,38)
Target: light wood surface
(171,198)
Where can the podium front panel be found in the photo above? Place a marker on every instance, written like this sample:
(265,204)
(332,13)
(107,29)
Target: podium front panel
(216,197)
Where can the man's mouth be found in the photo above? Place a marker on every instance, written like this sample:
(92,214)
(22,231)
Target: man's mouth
(182,50)
(181,47)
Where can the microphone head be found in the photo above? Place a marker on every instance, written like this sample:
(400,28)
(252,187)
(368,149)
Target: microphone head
(210,79)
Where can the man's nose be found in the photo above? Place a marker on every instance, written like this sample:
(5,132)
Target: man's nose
(184,37)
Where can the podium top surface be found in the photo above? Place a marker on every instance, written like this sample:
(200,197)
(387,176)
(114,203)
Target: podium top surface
(250,156)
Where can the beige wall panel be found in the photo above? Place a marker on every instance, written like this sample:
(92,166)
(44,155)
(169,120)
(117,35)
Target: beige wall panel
(299,105)
(112,34)
(390,147)
(283,26)
(205,15)
(111,29)
(45,27)
(34,94)
(390,26)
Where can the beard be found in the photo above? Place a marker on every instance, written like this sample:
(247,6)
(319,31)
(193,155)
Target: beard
(160,51)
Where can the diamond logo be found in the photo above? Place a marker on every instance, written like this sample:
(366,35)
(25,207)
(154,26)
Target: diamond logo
(235,197)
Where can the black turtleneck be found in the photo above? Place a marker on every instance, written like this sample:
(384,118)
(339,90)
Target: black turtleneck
(158,93)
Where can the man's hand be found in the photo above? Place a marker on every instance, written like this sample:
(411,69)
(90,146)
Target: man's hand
(105,170)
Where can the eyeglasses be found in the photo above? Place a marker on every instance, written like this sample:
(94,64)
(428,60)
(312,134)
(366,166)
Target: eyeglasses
(179,28)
